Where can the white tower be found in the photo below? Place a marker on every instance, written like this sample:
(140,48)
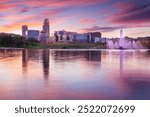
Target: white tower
(121,40)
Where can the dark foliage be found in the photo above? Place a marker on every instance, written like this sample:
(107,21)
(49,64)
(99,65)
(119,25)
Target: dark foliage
(11,40)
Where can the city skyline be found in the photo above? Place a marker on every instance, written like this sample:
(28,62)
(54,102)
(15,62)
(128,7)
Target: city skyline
(106,16)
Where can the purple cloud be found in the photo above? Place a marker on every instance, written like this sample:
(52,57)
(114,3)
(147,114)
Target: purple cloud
(100,29)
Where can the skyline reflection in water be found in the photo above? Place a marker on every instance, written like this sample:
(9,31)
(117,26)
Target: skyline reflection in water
(70,74)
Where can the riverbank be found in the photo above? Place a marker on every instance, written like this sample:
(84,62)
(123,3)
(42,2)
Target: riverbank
(17,41)
(67,46)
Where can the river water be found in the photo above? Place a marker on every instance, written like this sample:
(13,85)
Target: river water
(74,74)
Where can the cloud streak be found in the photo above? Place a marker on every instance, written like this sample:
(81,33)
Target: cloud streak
(83,15)
(87,20)
(100,29)
(131,13)
(61,3)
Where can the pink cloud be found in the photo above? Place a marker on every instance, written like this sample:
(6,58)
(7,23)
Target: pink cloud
(130,14)
(122,6)
(53,12)
(5,7)
(103,12)
(3,1)
(63,3)
(17,26)
(87,20)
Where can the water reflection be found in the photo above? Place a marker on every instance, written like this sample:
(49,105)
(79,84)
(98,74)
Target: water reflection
(25,57)
(82,74)
(9,53)
(94,55)
(46,63)
(38,56)
(121,62)
(61,56)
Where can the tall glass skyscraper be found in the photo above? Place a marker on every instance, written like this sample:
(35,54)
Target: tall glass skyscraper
(46,27)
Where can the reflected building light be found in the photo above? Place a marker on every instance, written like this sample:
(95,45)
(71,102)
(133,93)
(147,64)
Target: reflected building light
(121,62)
(94,55)
(25,60)
(46,63)
(5,52)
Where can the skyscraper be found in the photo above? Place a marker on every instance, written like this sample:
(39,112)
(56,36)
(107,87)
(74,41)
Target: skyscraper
(46,27)
(24,30)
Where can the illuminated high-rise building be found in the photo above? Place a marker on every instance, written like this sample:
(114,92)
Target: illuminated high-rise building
(46,27)
(24,30)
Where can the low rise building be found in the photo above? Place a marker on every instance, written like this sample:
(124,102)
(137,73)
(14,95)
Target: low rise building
(81,38)
(64,36)
(42,36)
(33,34)
(95,37)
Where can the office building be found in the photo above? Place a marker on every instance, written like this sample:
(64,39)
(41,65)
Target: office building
(64,36)
(42,36)
(46,27)
(24,30)
(34,34)
(95,37)
(81,37)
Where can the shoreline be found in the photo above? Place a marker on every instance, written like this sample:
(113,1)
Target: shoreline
(60,46)
(72,49)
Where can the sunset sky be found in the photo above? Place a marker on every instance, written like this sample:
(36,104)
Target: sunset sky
(106,16)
